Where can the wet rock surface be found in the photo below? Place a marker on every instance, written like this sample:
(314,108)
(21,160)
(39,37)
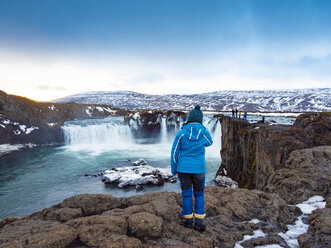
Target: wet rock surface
(150,220)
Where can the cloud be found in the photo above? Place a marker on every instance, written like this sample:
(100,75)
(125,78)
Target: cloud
(147,78)
(48,87)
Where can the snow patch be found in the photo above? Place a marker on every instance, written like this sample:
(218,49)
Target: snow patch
(30,129)
(52,107)
(7,148)
(256,234)
(89,111)
(254,221)
(110,110)
(299,228)
(99,109)
(268,246)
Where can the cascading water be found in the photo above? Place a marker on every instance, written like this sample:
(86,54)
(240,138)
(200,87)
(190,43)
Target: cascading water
(214,127)
(112,133)
(164,134)
(97,135)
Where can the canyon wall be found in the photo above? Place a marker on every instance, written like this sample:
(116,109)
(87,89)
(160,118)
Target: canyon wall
(251,153)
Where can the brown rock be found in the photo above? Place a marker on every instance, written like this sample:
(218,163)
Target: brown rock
(36,233)
(307,173)
(120,241)
(64,214)
(93,203)
(145,225)
(94,230)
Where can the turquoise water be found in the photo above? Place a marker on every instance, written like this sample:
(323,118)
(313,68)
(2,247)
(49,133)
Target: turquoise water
(40,177)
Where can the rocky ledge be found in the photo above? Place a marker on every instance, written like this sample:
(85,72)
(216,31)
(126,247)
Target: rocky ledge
(153,220)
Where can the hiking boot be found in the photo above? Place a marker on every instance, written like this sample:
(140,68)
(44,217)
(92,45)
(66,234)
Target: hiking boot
(199,225)
(188,223)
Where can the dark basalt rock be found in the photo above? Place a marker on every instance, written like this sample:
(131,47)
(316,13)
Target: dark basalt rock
(150,220)
(145,124)
(175,120)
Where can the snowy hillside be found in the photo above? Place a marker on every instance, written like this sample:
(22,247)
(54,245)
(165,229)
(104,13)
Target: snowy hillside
(300,100)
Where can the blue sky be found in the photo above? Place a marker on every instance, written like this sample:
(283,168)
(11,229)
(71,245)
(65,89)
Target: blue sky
(49,49)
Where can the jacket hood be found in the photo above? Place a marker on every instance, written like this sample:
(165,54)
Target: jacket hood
(193,130)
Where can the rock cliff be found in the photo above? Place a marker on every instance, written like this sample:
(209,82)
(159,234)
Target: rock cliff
(252,152)
(25,121)
(292,161)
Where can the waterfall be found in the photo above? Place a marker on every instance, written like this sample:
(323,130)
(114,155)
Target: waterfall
(214,127)
(103,134)
(164,133)
(111,134)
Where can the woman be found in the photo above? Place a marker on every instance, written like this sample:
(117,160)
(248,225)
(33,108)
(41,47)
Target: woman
(188,160)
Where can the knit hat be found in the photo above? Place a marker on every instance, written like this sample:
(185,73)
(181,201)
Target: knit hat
(195,115)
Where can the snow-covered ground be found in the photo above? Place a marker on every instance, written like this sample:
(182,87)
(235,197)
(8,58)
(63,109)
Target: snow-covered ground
(7,148)
(21,128)
(294,231)
(297,100)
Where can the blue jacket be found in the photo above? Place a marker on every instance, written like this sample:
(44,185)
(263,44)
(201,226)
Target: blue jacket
(188,149)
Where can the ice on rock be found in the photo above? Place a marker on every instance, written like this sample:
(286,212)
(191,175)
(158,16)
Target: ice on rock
(137,175)
(7,148)
(139,162)
(224,181)
(99,109)
(30,129)
(256,234)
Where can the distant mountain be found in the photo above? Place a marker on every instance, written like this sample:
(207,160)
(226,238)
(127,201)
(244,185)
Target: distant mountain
(298,100)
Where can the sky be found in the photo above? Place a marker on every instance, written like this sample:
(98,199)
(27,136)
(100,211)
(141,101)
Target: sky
(55,48)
